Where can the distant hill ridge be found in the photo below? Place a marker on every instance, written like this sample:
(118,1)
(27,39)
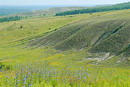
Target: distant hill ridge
(96,9)
(50,11)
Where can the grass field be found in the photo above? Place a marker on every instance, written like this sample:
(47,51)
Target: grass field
(23,65)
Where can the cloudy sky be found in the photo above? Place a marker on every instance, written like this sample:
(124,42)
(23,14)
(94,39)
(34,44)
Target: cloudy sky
(60,2)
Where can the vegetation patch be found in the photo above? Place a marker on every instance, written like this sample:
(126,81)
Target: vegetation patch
(96,9)
(13,18)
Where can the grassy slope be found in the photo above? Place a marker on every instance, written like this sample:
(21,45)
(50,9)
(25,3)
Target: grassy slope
(106,32)
(14,51)
(12,36)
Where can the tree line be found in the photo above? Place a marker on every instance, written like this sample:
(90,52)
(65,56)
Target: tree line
(13,18)
(96,9)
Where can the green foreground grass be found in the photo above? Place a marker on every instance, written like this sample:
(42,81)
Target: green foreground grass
(24,66)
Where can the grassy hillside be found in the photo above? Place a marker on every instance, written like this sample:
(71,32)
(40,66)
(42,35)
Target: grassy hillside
(106,32)
(12,31)
(28,57)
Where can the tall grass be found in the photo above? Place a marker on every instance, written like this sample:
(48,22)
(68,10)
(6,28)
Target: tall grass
(45,75)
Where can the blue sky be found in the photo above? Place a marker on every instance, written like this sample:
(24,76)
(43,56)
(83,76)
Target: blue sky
(60,2)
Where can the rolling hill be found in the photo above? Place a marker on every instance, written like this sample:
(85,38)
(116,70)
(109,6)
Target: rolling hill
(106,32)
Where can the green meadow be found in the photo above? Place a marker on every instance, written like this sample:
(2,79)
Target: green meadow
(25,62)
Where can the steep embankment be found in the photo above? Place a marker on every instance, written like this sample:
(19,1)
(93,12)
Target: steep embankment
(107,32)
